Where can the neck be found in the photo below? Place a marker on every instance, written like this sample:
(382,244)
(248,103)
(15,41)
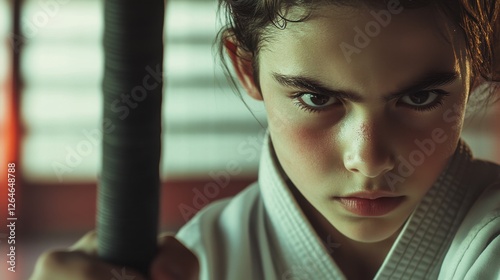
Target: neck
(352,257)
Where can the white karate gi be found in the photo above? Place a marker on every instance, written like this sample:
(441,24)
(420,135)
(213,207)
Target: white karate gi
(263,234)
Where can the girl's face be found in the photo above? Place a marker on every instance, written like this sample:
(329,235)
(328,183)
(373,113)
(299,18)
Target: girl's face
(365,108)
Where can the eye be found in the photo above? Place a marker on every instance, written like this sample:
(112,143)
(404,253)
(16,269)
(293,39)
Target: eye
(314,101)
(423,100)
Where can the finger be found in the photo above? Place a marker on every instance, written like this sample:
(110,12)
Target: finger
(174,261)
(77,265)
(87,244)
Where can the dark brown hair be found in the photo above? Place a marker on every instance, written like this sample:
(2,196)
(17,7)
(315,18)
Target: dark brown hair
(478,20)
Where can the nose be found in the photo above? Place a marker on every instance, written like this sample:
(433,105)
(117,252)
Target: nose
(368,151)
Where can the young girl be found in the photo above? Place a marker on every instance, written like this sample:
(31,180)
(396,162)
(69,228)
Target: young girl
(363,174)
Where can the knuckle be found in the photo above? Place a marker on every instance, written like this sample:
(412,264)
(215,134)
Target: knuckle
(87,244)
(54,264)
(165,237)
(49,265)
(91,235)
(52,259)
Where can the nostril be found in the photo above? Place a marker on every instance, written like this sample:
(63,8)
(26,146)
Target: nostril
(372,165)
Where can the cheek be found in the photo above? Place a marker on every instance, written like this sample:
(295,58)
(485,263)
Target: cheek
(435,145)
(446,132)
(302,148)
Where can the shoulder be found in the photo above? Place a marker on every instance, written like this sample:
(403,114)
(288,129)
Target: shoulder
(222,234)
(223,211)
(475,249)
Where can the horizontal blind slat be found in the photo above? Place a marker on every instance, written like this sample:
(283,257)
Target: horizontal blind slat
(204,121)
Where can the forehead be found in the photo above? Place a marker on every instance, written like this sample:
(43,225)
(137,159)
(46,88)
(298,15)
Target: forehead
(352,42)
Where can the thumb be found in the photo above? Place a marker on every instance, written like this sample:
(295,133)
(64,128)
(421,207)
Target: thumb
(174,261)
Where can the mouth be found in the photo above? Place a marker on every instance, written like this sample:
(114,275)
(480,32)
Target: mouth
(370,204)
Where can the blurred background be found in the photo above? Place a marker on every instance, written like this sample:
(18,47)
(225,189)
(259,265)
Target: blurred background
(50,121)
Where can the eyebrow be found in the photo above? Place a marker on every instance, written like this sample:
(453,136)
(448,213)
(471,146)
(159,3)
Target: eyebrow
(426,81)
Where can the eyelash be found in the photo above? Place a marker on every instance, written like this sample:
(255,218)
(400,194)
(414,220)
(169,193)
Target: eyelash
(441,95)
(302,106)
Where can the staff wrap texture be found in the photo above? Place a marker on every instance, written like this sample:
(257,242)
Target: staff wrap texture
(128,196)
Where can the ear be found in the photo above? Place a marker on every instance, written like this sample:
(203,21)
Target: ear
(242,63)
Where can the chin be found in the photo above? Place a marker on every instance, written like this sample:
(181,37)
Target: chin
(373,231)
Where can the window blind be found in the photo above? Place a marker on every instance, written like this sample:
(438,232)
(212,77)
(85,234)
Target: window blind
(206,126)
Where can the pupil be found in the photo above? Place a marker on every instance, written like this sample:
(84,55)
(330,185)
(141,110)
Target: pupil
(420,97)
(319,99)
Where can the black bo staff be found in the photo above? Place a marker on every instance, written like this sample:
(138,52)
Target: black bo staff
(128,196)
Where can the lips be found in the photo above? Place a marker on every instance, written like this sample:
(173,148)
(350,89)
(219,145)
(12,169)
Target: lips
(370,205)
